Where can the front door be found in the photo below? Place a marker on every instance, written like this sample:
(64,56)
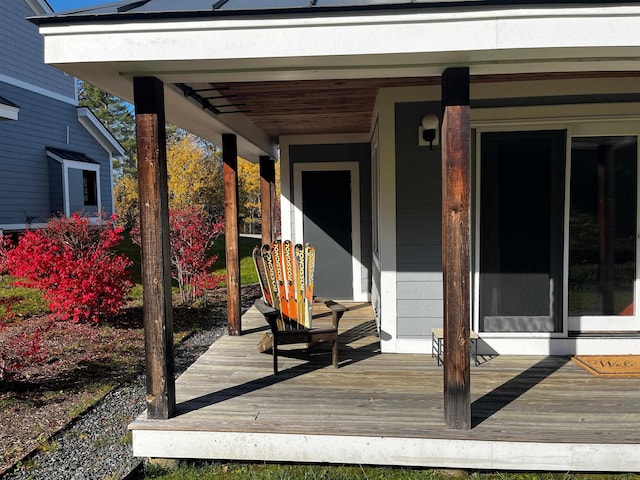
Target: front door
(327,225)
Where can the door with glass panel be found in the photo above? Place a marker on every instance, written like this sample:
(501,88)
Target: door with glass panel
(521,231)
(603,234)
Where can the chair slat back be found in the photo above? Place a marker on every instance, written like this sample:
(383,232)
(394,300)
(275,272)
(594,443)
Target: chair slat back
(286,277)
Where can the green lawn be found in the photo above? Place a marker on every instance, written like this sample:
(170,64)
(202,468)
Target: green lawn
(20,300)
(247,270)
(249,471)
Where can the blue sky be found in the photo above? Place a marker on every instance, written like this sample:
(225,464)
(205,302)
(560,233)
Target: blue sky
(61,5)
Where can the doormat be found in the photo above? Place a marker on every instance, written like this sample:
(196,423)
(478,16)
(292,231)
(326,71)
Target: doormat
(610,365)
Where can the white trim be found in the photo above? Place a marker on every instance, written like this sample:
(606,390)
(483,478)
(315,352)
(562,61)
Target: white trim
(98,131)
(601,345)
(39,90)
(286,192)
(382,450)
(356,255)
(66,165)
(8,112)
(39,7)
(387,97)
(20,226)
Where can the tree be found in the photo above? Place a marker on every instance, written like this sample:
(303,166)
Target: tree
(195,176)
(249,195)
(191,235)
(118,117)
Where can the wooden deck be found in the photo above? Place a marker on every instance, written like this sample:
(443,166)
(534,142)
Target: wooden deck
(528,413)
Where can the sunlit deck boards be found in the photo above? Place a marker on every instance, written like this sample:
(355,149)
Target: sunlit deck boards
(387,409)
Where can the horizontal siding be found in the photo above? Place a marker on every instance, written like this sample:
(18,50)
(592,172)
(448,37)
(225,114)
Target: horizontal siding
(25,182)
(418,225)
(22,52)
(413,327)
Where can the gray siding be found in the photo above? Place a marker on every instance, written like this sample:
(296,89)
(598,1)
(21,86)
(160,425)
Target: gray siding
(22,51)
(348,152)
(25,185)
(418,225)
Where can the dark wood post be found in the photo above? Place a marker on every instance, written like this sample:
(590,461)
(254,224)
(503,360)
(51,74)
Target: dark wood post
(231,234)
(456,241)
(154,231)
(267,198)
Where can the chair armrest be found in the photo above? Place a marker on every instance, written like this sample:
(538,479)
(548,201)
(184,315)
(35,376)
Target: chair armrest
(270,314)
(337,310)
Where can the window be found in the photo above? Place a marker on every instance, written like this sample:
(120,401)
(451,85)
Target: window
(90,188)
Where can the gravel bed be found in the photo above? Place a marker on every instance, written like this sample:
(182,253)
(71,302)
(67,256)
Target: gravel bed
(97,444)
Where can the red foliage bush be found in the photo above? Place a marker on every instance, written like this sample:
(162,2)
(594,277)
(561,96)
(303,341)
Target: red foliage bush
(191,235)
(75,266)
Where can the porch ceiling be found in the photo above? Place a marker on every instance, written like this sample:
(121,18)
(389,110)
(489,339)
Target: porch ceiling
(305,107)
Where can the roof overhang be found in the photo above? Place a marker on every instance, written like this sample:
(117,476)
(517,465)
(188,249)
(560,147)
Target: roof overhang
(389,43)
(8,110)
(98,131)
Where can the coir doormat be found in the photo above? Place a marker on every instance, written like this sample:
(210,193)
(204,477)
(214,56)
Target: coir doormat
(610,365)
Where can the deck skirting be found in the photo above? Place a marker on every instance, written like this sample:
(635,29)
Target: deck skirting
(409,452)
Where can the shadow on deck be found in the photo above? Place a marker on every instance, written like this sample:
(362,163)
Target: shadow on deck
(529,413)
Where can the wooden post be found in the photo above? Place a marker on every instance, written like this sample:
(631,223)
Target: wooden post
(231,234)
(456,233)
(267,198)
(154,231)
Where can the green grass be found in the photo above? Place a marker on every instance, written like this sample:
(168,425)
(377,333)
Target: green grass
(247,270)
(21,300)
(248,471)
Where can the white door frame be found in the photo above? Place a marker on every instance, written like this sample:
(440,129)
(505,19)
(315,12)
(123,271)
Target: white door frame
(353,168)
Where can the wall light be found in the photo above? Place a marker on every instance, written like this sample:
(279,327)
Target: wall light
(429,130)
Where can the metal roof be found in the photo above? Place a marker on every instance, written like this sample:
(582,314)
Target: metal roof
(71,155)
(125,9)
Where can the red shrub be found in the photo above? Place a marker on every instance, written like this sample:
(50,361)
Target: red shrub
(191,235)
(74,264)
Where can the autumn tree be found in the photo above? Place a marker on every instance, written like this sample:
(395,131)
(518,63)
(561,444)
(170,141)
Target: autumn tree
(249,195)
(195,177)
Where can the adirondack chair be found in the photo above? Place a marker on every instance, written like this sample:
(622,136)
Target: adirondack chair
(286,277)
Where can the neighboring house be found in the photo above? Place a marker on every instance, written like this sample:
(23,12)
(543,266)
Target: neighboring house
(55,157)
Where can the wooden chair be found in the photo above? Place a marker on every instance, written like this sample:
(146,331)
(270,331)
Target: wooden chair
(286,277)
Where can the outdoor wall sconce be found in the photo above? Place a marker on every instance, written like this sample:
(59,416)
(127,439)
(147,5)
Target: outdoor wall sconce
(428,131)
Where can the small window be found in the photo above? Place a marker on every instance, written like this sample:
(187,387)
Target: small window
(90,187)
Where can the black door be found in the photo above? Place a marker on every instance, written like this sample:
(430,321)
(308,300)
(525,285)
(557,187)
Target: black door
(326,200)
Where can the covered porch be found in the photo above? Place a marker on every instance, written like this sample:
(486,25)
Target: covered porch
(528,412)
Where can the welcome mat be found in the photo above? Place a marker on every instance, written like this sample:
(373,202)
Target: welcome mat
(610,365)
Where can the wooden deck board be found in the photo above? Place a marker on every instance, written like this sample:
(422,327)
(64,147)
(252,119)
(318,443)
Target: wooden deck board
(231,389)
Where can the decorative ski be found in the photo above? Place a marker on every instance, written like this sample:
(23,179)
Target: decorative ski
(310,265)
(289,277)
(300,284)
(267,254)
(265,284)
(276,253)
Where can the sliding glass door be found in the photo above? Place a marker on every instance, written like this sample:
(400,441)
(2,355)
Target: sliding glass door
(603,233)
(521,231)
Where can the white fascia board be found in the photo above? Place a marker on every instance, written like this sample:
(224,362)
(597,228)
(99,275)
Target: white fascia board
(8,112)
(39,7)
(98,131)
(501,34)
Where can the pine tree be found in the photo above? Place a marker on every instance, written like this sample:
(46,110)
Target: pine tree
(118,117)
